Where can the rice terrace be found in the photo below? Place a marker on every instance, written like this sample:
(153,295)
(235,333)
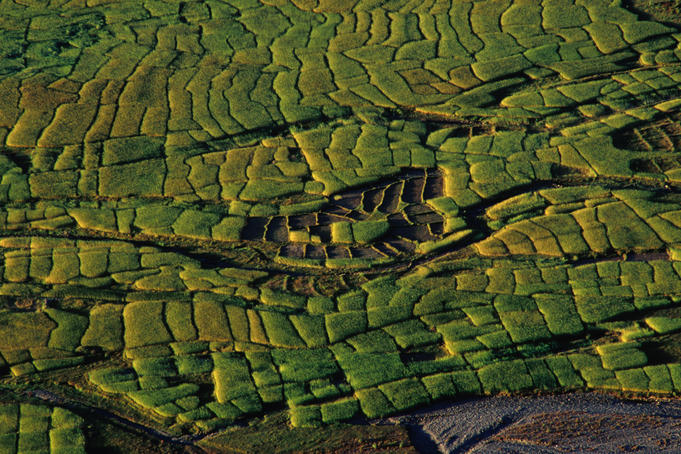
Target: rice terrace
(340,226)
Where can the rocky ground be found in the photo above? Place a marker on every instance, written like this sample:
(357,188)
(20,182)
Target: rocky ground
(565,423)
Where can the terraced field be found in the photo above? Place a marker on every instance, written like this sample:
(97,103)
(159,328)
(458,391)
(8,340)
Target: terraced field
(221,213)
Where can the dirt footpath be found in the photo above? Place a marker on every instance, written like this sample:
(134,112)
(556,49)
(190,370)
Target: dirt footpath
(567,423)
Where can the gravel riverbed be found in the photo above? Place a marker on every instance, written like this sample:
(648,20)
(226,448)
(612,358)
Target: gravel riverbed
(565,423)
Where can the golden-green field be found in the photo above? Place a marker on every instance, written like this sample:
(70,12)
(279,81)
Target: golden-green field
(239,225)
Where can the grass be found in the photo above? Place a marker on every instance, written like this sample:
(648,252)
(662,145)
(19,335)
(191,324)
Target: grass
(412,333)
(56,184)
(633,379)
(388,315)
(29,441)
(560,314)
(71,439)
(41,428)
(323,389)
(158,367)
(144,325)
(495,340)
(228,229)
(364,370)
(102,377)
(495,69)
(178,317)
(57,363)
(306,416)
(311,329)
(10,418)
(593,309)
(238,321)
(505,376)
(70,329)
(105,328)
(142,178)
(404,394)
(19,330)
(195,224)
(275,298)
(101,219)
(339,410)
(373,341)
(355,300)
(542,377)
(231,377)
(393,438)
(344,324)
(524,326)
(368,231)
(211,321)
(280,331)
(117,151)
(320,305)
(440,386)
(380,291)
(373,403)
(634,32)
(333,213)
(267,189)
(663,325)
(304,365)
(156,398)
(660,378)
(622,356)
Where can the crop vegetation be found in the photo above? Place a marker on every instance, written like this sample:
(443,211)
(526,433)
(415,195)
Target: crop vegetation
(213,210)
